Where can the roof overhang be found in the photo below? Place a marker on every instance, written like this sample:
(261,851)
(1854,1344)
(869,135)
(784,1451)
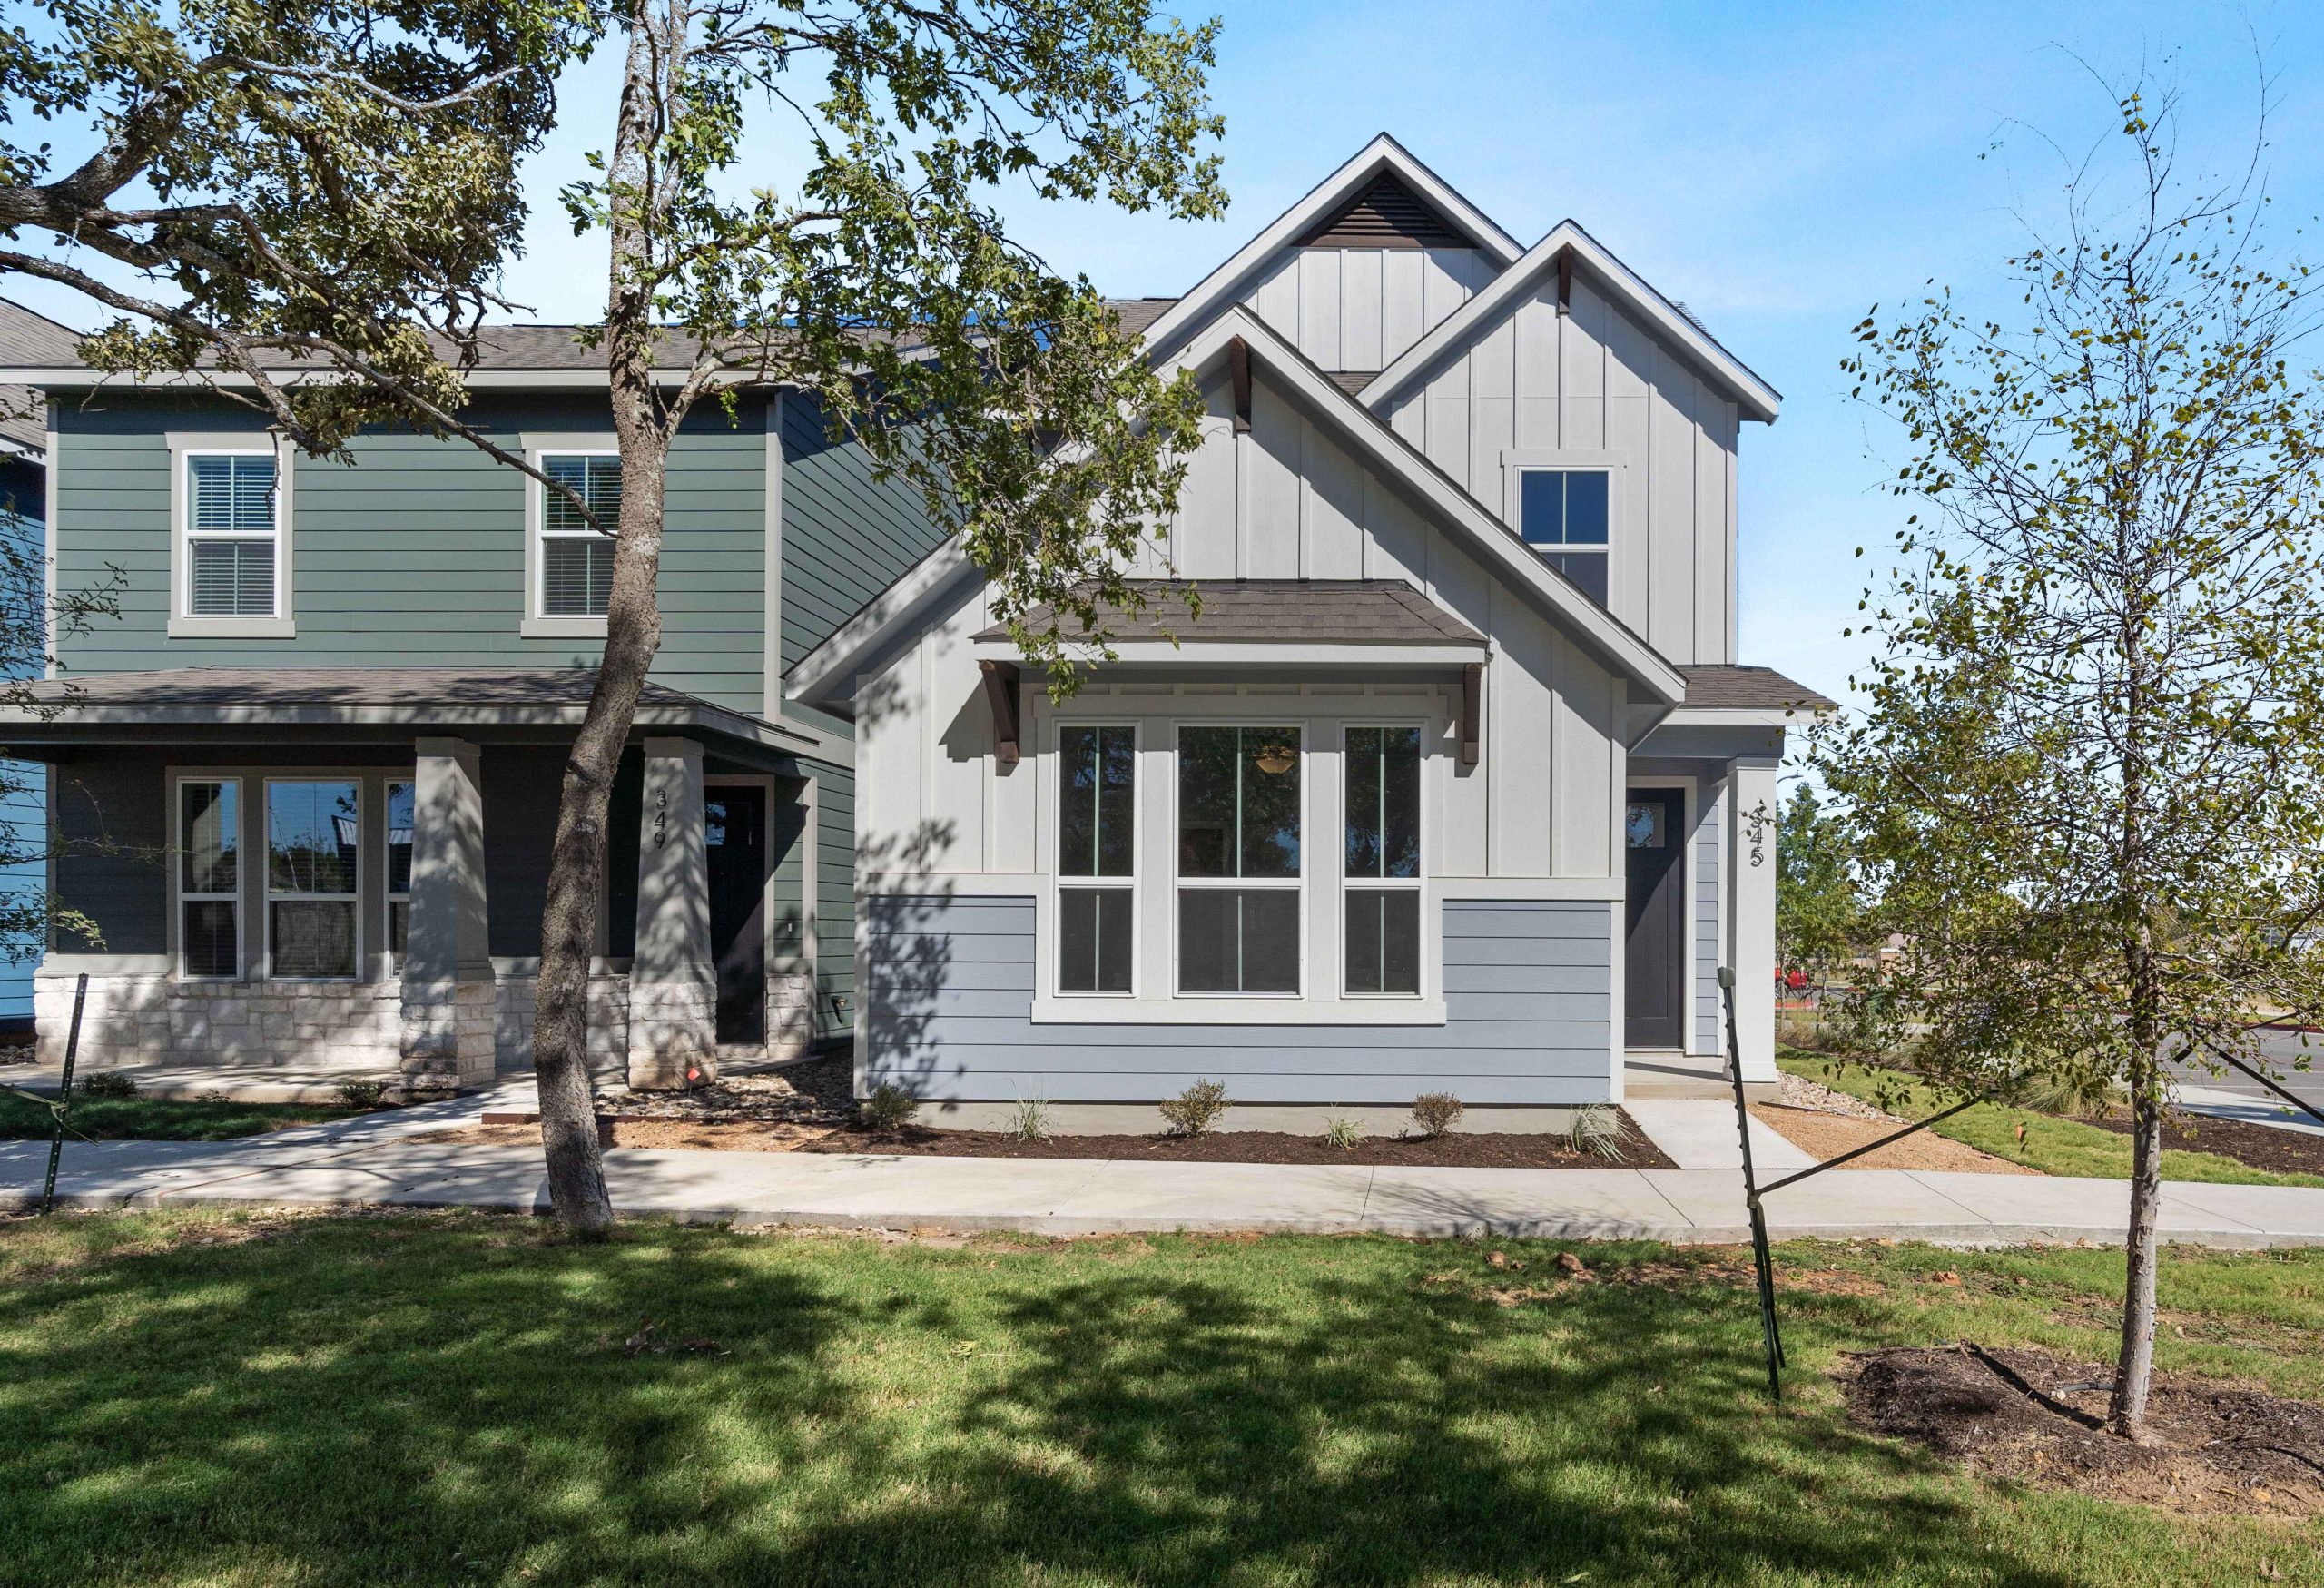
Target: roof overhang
(1193,652)
(1754,397)
(1383,154)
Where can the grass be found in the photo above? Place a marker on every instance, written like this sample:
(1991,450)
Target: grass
(2052,1145)
(211,1399)
(156,1119)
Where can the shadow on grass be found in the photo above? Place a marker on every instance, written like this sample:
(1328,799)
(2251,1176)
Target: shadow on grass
(432,1399)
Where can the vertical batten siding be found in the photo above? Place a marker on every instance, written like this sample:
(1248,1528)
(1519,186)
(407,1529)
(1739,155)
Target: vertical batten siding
(1709,829)
(1528,989)
(1594,380)
(1361,309)
(413,556)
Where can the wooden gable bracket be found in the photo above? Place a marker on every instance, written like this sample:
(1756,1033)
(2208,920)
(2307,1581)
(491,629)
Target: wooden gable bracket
(1000,693)
(1473,724)
(1239,373)
(1565,280)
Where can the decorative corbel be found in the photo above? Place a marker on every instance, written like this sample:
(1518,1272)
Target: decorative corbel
(1000,693)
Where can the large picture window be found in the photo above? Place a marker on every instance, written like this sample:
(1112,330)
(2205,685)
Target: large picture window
(312,836)
(233,535)
(210,878)
(576,560)
(1564,514)
(1097,850)
(1384,861)
(1239,812)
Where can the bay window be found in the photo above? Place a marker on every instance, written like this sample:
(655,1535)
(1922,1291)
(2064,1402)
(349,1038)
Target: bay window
(1382,903)
(313,837)
(1238,894)
(1096,849)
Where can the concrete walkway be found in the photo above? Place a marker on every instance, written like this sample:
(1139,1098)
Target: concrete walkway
(372,1161)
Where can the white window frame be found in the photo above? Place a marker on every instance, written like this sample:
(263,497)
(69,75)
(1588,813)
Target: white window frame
(180,898)
(268,894)
(1418,885)
(1053,968)
(388,897)
(1615,465)
(184,448)
(1180,881)
(539,449)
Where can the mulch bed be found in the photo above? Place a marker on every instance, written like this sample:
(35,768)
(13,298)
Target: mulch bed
(2259,1146)
(2215,1448)
(1456,1149)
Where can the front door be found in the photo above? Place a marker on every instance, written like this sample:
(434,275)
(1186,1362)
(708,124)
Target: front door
(1654,828)
(736,844)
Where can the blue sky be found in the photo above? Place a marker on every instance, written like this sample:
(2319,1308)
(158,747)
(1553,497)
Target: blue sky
(1777,168)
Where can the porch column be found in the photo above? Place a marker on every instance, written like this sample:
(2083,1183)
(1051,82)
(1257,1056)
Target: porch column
(1751,929)
(673,983)
(448,987)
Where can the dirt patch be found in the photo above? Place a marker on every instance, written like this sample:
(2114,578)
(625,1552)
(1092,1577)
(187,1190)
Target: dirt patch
(1457,1150)
(2259,1146)
(2025,1416)
(1827,1136)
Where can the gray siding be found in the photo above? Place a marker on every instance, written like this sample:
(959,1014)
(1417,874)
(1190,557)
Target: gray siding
(414,555)
(1528,994)
(1709,1029)
(846,535)
(835,987)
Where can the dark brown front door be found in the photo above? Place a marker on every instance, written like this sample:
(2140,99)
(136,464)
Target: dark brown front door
(736,846)
(1654,830)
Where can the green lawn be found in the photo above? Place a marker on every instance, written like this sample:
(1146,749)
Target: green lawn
(156,1119)
(421,1398)
(2053,1146)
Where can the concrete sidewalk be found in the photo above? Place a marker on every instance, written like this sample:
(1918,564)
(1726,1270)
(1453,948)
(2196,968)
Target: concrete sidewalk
(370,1161)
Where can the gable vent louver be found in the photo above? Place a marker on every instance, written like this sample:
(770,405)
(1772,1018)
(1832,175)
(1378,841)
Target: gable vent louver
(1385,214)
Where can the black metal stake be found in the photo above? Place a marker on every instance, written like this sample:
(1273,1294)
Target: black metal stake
(63,1094)
(1762,1257)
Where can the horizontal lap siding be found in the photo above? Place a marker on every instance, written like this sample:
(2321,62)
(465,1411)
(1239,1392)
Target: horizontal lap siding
(1708,839)
(414,555)
(1527,996)
(847,535)
(835,902)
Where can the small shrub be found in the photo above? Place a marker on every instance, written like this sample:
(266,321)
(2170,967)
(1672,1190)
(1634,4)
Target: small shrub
(889,1107)
(107,1083)
(1598,1129)
(1032,1120)
(1195,1109)
(1342,1131)
(362,1094)
(1435,1112)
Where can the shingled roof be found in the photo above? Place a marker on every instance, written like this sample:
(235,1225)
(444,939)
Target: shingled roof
(1372,612)
(1739,687)
(27,339)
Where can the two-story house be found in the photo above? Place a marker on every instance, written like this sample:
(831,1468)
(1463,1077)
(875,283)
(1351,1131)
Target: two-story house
(1456,783)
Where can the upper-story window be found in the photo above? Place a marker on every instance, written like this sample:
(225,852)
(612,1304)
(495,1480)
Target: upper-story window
(233,534)
(576,560)
(1563,514)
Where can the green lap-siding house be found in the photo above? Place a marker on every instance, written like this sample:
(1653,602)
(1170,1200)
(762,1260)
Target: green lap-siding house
(1457,784)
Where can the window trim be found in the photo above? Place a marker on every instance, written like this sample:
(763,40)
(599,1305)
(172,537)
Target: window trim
(267,894)
(180,898)
(1517,464)
(185,446)
(1303,726)
(539,449)
(1414,884)
(1053,967)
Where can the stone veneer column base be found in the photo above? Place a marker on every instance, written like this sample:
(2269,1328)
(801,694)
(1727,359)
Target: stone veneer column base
(673,1034)
(789,1015)
(448,1034)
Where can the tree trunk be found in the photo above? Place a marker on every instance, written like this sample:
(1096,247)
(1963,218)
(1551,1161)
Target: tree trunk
(2135,1375)
(577,1178)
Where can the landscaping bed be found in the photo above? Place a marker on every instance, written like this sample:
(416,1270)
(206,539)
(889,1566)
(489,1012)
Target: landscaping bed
(2038,1418)
(2260,1146)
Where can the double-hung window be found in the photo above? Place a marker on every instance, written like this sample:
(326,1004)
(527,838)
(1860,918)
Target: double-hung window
(210,878)
(1565,514)
(576,560)
(1382,896)
(313,829)
(1239,810)
(400,823)
(1096,848)
(233,535)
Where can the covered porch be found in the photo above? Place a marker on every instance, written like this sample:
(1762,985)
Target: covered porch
(316,874)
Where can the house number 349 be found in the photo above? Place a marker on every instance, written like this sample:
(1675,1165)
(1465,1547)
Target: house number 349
(661,817)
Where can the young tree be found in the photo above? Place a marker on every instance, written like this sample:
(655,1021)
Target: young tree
(1818,915)
(887,285)
(2086,786)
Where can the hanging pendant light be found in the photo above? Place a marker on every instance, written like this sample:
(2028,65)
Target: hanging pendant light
(1274,760)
